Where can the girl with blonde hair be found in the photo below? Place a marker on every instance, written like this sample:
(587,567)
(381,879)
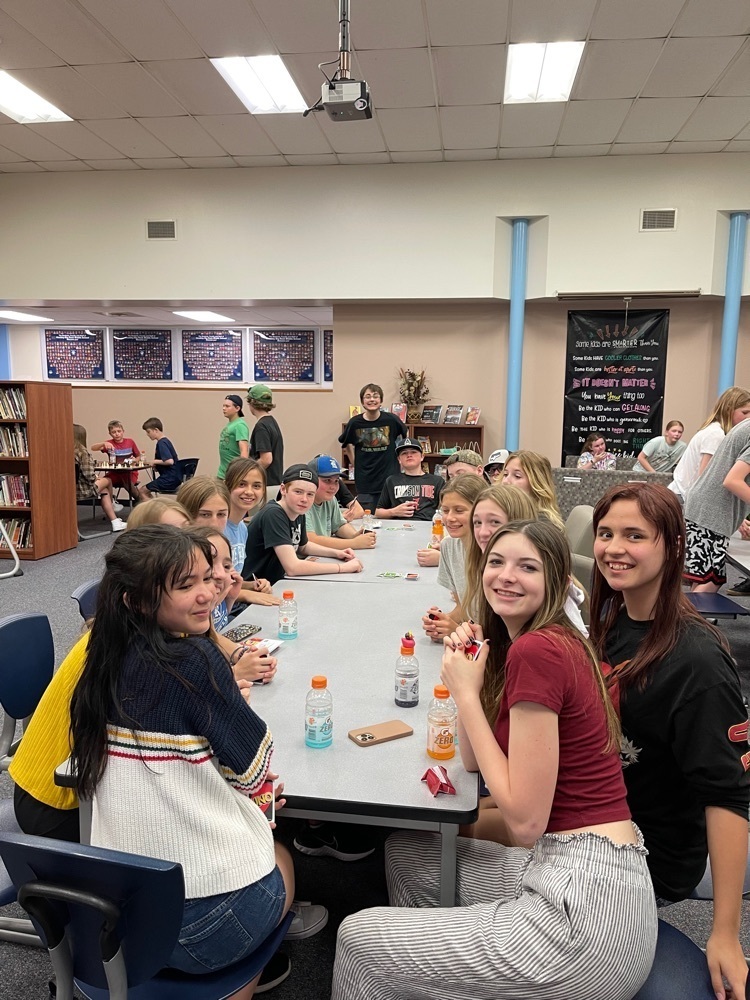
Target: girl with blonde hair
(532,473)
(159,510)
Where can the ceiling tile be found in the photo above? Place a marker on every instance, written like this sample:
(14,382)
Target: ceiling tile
(635,19)
(27,167)
(615,69)
(182,136)
(737,146)
(197,86)
(596,150)
(355,137)
(689,67)
(736,80)
(388,24)
(165,163)
(542,21)
(70,92)
(470,74)
(471,154)
(62,166)
(133,89)
(147,29)
(656,119)
(471,128)
(130,137)
(410,128)
(716,118)
(697,147)
(525,153)
(399,78)
(637,148)
(482,22)
(20,49)
(210,162)
(21,139)
(592,122)
(314,27)
(364,158)
(238,31)
(76,139)
(290,134)
(315,160)
(8,156)
(65,29)
(239,135)
(261,161)
(113,164)
(531,124)
(707,17)
(418,156)
(744,134)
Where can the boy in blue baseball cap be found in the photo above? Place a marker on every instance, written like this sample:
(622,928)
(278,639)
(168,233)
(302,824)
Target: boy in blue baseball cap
(326,524)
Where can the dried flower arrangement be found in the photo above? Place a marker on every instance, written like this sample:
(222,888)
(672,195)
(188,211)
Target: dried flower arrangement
(413,390)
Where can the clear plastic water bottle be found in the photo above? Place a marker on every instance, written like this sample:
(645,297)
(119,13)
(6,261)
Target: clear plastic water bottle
(407,675)
(288,616)
(367,520)
(319,714)
(442,717)
(437,530)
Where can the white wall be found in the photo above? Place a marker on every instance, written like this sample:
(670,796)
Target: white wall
(410,231)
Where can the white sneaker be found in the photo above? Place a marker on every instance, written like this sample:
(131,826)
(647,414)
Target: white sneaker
(117,506)
(118,524)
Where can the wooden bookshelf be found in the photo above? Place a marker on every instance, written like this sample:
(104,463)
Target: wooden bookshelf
(49,466)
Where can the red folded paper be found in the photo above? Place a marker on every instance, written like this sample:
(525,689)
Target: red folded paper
(438,781)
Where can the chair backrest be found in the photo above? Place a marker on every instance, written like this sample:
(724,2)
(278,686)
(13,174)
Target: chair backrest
(187,468)
(579,527)
(27,661)
(148,893)
(272,493)
(86,596)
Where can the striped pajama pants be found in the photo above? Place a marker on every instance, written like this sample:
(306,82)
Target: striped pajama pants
(573,918)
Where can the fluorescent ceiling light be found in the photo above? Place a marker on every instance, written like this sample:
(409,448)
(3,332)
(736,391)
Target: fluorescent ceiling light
(18,317)
(541,71)
(262,83)
(24,106)
(204,316)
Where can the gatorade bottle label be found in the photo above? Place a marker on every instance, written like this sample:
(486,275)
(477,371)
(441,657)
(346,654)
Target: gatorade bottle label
(407,691)
(441,741)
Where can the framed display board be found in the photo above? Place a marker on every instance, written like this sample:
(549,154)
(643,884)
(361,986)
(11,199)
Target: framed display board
(212,355)
(328,355)
(283,355)
(74,354)
(143,355)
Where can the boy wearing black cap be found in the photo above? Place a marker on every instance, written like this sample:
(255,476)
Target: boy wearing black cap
(234,440)
(277,542)
(325,522)
(266,441)
(410,493)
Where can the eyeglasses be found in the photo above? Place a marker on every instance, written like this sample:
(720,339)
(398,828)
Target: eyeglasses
(370,397)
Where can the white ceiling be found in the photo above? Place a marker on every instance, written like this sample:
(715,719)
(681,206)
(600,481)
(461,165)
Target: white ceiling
(657,76)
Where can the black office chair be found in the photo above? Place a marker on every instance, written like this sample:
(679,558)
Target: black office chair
(110,921)
(85,596)
(187,467)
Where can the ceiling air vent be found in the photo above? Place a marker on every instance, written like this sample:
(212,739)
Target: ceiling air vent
(164,229)
(658,220)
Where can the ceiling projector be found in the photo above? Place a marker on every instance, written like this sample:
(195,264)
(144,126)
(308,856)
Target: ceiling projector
(346,100)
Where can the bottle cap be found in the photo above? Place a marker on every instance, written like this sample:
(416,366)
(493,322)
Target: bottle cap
(288,595)
(441,692)
(368,511)
(319,681)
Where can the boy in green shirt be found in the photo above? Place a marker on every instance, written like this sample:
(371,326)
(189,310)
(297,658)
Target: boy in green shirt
(326,524)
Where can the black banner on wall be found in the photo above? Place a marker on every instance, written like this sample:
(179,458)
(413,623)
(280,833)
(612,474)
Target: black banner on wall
(614,378)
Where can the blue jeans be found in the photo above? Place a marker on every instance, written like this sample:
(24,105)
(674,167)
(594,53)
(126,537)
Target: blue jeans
(218,931)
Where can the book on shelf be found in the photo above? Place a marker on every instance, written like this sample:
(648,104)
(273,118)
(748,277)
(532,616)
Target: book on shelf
(426,444)
(400,410)
(431,414)
(14,491)
(472,414)
(453,413)
(12,403)
(13,441)
(18,530)
(354,411)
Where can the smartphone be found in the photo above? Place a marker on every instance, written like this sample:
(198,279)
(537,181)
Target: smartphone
(381,732)
(472,650)
(240,632)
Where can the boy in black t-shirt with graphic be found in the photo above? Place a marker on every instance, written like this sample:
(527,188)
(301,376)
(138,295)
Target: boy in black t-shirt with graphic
(370,442)
(165,462)
(277,542)
(410,493)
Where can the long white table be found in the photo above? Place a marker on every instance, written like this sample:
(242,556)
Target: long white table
(351,634)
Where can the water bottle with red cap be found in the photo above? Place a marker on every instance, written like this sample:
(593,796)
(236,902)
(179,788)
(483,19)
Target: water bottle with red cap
(407,674)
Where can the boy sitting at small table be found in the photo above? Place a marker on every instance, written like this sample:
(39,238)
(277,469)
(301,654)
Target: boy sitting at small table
(325,521)
(165,462)
(277,541)
(120,448)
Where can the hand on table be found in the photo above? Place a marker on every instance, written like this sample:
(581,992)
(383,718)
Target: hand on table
(428,557)
(261,586)
(439,625)
(462,675)
(347,554)
(351,565)
(364,540)
(405,509)
(255,665)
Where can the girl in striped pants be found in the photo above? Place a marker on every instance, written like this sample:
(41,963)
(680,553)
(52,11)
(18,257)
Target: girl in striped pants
(569,913)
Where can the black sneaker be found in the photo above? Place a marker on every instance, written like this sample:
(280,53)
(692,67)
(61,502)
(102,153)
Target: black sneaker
(335,841)
(741,589)
(276,971)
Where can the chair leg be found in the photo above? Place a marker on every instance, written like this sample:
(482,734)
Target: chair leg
(19,930)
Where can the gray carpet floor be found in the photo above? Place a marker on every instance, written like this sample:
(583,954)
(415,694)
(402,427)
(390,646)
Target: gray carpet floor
(343,888)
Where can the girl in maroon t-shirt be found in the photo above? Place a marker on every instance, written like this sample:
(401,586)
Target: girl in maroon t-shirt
(570,913)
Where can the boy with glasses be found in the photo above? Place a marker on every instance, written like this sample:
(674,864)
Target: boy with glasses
(370,443)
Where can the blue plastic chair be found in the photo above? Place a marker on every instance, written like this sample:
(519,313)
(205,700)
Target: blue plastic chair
(86,596)
(679,970)
(111,921)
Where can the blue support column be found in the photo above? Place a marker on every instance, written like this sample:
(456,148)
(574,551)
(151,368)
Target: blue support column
(518,267)
(4,352)
(732,296)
